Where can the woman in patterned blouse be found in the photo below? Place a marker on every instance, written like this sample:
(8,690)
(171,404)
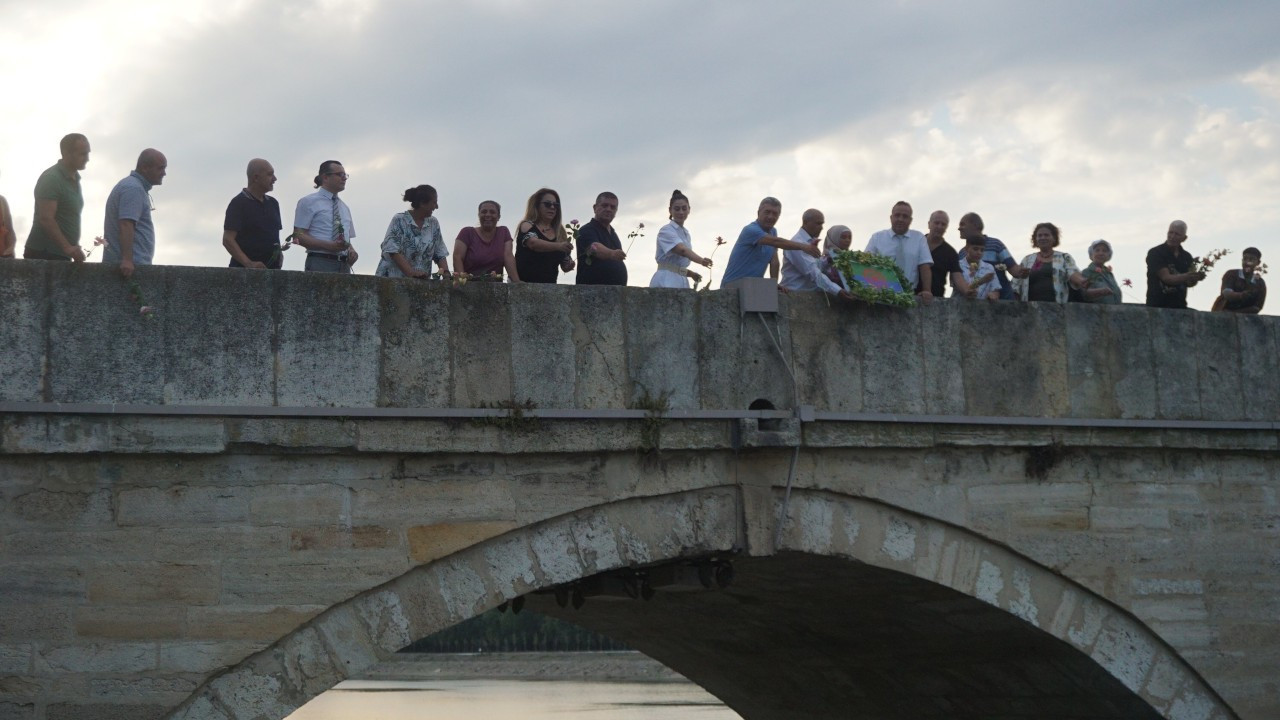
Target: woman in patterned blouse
(413,239)
(1050,274)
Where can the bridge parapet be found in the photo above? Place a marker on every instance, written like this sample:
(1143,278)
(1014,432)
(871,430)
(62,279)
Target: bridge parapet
(283,339)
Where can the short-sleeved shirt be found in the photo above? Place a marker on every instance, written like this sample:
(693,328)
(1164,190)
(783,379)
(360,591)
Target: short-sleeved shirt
(1178,261)
(483,257)
(910,250)
(995,253)
(63,187)
(593,270)
(1254,286)
(971,272)
(419,246)
(256,224)
(945,261)
(535,266)
(749,258)
(315,215)
(130,199)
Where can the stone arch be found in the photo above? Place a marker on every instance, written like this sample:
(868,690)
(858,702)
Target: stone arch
(856,532)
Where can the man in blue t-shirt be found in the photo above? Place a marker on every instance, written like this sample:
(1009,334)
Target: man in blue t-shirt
(994,252)
(755,249)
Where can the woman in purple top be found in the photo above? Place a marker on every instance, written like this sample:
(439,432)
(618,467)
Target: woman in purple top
(486,250)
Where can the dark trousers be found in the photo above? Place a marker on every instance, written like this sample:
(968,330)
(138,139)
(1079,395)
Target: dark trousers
(29,254)
(326,263)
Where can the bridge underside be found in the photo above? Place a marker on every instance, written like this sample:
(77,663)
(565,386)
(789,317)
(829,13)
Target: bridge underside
(803,636)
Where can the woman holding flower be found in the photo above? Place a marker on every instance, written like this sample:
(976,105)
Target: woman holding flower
(1100,284)
(542,244)
(486,249)
(1048,275)
(675,248)
(413,240)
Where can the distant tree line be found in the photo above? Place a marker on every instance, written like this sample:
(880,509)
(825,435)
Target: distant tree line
(527,631)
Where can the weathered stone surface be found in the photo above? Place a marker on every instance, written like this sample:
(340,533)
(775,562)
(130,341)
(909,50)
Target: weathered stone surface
(247,622)
(141,554)
(601,341)
(130,622)
(1133,353)
(416,369)
(1259,366)
(429,542)
(141,583)
(23,332)
(480,335)
(328,369)
(220,368)
(178,506)
(824,344)
(93,309)
(543,354)
(661,359)
(105,711)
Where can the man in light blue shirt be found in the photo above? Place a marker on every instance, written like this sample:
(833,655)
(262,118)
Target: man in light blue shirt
(127,228)
(322,223)
(755,249)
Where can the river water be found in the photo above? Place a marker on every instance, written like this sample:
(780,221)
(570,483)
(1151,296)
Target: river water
(522,699)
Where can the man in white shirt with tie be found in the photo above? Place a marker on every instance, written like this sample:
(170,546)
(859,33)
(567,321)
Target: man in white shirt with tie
(322,223)
(908,248)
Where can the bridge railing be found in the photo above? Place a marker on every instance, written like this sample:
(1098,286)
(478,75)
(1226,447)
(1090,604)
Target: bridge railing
(220,337)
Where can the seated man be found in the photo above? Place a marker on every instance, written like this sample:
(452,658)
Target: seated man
(754,250)
(1243,290)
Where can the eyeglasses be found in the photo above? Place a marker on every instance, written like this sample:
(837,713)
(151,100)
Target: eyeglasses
(551,205)
(342,175)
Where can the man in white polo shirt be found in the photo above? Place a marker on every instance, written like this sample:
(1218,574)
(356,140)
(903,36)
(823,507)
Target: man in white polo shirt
(908,248)
(322,223)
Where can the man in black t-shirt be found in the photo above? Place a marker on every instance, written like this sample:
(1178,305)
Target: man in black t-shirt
(946,261)
(600,254)
(251,231)
(1169,270)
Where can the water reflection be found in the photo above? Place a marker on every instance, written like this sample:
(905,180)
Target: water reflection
(523,699)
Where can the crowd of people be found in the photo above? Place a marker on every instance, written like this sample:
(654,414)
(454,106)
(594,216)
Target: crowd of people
(544,245)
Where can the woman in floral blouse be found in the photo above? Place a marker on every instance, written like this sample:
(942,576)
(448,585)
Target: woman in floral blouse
(413,239)
(1050,274)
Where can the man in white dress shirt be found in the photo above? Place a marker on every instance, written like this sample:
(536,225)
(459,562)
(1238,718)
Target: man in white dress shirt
(908,248)
(322,223)
(800,271)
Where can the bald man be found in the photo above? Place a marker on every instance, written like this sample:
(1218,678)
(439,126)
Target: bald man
(1169,270)
(127,228)
(251,230)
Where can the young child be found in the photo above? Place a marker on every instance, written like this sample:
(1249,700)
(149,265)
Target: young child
(979,275)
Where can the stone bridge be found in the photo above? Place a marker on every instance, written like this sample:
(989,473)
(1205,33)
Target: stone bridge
(968,510)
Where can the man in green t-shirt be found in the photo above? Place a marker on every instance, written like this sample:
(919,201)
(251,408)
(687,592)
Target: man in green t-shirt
(55,235)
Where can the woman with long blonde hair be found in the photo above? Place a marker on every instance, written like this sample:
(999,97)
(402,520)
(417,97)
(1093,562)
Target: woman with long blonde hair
(542,245)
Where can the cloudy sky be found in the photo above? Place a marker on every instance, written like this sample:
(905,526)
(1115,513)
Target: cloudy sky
(1107,118)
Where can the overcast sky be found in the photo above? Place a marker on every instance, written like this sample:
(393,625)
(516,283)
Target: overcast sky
(1107,118)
